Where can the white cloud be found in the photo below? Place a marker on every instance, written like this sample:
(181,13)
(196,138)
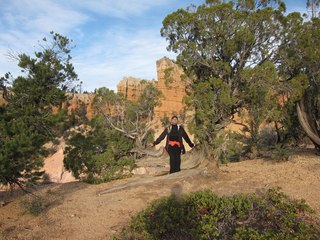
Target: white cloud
(104,54)
(107,50)
(132,54)
(40,16)
(23,23)
(118,8)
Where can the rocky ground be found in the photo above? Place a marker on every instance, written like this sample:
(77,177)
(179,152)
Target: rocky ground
(78,211)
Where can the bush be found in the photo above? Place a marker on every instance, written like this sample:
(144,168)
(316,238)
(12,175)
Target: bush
(228,147)
(46,178)
(270,148)
(267,137)
(98,154)
(204,215)
(278,152)
(34,205)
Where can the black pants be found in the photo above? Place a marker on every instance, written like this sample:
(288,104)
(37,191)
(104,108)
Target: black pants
(175,158)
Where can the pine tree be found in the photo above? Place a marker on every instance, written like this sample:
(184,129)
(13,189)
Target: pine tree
(27,120)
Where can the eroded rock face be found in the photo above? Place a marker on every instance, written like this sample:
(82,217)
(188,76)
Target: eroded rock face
(54,167)
(170,82)
(131,87)
(77,101)
(172,85)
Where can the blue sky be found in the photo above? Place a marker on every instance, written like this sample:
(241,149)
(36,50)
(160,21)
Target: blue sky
(113,38)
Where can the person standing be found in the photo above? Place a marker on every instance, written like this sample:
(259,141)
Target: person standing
(175,134)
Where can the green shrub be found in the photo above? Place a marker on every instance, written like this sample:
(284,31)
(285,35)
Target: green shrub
(204,215)
(269,147)
(228,148)
(277,152)
(98,154)
(267,137)
(34,205)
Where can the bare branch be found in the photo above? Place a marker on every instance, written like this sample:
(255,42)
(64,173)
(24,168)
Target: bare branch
(115,127)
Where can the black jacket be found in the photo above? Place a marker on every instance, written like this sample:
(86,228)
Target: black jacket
(182,135)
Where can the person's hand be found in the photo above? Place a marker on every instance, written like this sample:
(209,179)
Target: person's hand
(150,145)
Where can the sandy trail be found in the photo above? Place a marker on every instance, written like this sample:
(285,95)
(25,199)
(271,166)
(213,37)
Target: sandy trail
(82,211)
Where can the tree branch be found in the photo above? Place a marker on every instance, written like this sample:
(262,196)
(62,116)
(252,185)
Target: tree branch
(115,127)
(304,123)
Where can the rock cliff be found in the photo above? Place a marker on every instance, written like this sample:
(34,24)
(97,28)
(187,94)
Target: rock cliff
(78,100)
(131,87)
(172,85)
(170,82)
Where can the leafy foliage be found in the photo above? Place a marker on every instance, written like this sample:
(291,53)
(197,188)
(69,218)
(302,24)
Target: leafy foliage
(229,51)
(27,120)
(260,99)
(104,151)
(247,58)
(230,148)
(300,71)
(205,215)
(98,154)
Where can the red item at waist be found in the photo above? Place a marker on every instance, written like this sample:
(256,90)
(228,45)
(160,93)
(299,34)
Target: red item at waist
(172,143)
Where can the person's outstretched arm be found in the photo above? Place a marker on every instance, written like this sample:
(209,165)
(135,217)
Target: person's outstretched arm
(186,137)
(161,137)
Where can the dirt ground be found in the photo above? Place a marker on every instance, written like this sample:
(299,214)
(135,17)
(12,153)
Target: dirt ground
(79,211)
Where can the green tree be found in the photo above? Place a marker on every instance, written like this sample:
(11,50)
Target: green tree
(218,44)
(263,103)
(103,149)
(98,154)
(299,69)
(27,120)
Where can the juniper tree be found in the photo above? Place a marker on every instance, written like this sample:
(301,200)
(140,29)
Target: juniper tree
(225,47)
(27,120)
(299,70)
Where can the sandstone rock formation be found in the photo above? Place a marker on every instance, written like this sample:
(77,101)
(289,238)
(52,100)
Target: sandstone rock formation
(78,100)
(172,85)
(170,82)
(131,87)
(2,101)
(53,165)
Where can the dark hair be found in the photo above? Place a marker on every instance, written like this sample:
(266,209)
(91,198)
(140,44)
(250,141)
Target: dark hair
(174,116)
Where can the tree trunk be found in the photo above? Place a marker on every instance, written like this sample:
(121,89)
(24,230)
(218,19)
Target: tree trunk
(303,120)
(209,161)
